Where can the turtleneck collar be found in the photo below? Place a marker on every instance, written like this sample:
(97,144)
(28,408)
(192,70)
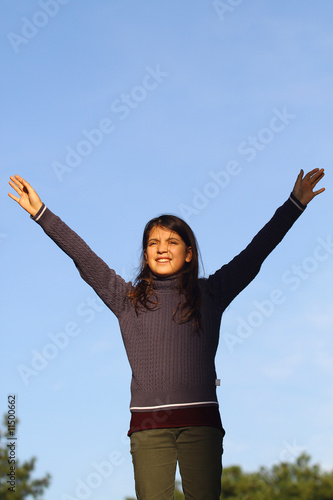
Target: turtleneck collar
(167,283)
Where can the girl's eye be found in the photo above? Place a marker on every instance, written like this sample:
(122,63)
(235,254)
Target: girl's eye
(173,242)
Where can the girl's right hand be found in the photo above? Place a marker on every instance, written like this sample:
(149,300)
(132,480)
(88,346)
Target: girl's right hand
(28,198)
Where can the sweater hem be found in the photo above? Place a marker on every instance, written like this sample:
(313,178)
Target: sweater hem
(173,406)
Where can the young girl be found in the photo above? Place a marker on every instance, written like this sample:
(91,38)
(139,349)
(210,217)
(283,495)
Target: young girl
(170,321)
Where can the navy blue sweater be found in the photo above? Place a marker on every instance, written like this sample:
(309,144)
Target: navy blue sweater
(172,364)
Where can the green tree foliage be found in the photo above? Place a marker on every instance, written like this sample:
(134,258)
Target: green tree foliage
(284,481)
(300,481)
(22,485)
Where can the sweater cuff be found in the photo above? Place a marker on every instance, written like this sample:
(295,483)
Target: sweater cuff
(39,214)
(298,204)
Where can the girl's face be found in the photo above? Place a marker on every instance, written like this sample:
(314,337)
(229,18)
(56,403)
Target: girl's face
(166,252)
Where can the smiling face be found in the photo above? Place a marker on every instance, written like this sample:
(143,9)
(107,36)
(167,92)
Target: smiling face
(166,252)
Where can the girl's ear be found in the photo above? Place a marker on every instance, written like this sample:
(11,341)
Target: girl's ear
(188,257)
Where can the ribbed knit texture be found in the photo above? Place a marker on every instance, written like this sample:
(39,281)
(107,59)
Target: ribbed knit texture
(172,364)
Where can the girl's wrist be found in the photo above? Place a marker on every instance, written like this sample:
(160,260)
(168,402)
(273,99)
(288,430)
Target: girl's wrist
(299,199)
(35,211)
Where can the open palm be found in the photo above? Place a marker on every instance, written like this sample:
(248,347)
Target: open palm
(27,196)
(304,186)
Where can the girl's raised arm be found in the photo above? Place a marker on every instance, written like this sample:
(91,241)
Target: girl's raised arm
(233,277)
(28,198)
(110,287)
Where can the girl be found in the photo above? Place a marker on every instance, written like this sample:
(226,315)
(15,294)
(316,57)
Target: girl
(170,321)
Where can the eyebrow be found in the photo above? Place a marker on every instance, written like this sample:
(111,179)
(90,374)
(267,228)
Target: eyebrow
(168,239)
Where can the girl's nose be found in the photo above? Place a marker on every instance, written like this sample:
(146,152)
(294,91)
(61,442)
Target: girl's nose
(162,248)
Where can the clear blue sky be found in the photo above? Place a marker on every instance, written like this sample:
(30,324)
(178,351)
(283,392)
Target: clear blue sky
(116,112)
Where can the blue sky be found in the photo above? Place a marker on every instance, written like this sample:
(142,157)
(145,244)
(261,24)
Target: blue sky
(119,111)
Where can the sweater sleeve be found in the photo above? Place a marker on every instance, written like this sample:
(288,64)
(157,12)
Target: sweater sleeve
(110,287)
(232,278)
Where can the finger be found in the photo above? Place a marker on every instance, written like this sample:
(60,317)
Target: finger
(315,173)
(319,191)
(22,182)
(300,175)
(16,187)
(299,178)
(27,185)
(312,172)
(14,197)
(19,177)
(317,177)
(16,181)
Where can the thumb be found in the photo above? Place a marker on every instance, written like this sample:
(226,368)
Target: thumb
(299,179)
(300,175)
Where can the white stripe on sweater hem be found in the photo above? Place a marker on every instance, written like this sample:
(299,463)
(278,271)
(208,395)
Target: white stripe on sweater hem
(173,405)
(39,216)
(295,203)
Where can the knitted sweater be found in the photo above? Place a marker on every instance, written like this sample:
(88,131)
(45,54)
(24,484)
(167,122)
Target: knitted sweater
(172,364)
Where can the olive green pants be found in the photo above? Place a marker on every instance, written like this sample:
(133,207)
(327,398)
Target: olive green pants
(198,450)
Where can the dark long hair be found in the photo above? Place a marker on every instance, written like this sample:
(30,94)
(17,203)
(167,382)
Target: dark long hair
(143,295)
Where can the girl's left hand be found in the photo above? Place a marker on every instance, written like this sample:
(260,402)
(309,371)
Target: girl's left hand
(303,189)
